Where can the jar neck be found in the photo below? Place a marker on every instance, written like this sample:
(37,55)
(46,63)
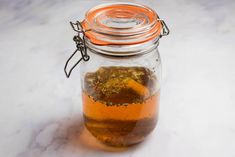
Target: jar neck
(123,50)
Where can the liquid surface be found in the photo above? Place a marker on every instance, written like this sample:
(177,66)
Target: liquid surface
(120,104)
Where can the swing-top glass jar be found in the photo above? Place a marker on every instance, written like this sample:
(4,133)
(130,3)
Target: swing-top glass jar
(121,80)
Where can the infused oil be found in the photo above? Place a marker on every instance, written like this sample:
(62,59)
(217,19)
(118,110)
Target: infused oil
(120,104)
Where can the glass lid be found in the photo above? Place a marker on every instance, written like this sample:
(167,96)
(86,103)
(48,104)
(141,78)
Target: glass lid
(121,24)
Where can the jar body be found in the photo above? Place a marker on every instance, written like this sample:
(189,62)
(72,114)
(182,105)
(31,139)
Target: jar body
(121,96)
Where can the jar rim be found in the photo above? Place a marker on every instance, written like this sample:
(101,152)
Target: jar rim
(124,50)
(121,24)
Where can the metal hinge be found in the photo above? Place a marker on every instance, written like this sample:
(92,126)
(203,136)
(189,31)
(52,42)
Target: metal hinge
(79,40)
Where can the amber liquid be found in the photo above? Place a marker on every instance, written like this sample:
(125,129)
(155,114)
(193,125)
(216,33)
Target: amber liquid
(120,104)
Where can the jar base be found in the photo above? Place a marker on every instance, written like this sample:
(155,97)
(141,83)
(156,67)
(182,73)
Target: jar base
(120,133)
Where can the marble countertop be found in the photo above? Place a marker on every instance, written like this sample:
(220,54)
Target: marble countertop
(41,112)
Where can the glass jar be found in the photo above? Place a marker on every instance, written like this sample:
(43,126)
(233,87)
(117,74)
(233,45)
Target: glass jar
(121,80)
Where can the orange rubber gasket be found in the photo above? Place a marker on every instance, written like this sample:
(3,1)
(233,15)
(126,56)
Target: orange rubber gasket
(97,33)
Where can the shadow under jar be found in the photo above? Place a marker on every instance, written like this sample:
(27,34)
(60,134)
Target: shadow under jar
(121,81)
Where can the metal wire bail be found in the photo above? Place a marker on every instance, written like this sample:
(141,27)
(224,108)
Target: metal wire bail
(165,29)
(79,40)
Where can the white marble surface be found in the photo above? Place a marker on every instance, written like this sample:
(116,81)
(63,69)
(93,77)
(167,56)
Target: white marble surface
(40,112)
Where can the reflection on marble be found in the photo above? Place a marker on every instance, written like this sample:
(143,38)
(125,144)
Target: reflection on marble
(41,113)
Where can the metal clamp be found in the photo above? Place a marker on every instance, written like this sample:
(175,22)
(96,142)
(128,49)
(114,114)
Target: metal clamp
(79,40)
(165,29)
